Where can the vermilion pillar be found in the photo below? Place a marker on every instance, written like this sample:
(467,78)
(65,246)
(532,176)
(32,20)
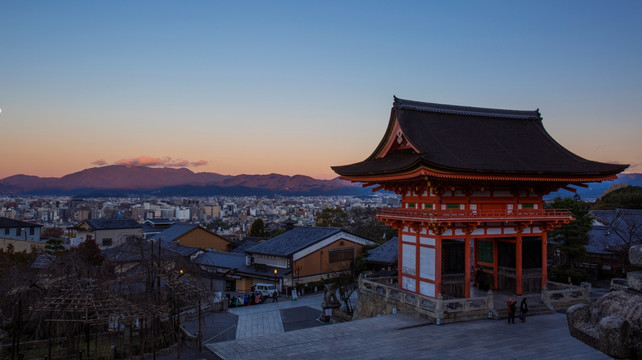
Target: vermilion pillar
(544,260)
(518,265)
(495,264)
(400,258)
(438,265)
(467,267)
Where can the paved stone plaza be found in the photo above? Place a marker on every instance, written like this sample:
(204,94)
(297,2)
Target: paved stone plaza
(259,336)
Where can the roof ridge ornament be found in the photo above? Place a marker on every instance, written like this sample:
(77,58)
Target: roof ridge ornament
(402,104)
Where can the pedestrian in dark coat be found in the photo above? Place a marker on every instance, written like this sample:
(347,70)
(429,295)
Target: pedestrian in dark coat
(511,310)
(523,309)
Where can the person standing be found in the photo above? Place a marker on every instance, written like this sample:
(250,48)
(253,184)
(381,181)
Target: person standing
(511,310)
(523,309)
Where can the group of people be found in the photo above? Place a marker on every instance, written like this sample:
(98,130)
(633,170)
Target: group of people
(512,309)
(252,298)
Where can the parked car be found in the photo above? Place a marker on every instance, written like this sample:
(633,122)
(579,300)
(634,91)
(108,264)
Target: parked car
(266,290)
(619,284)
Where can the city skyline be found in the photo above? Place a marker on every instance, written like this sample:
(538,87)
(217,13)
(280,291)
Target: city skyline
(293,88)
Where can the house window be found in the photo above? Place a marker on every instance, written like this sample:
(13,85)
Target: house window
(107,242)
(7,231)
(32,231)
(339,255)
(18,231)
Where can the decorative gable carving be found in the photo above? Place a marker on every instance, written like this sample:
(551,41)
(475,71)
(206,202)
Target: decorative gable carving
(396,141)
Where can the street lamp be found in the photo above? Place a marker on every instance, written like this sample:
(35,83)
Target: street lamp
(275,278)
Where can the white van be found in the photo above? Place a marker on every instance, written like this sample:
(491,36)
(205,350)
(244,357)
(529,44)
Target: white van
(266,290)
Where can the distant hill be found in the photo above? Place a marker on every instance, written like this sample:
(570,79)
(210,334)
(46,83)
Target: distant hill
(629,197)
(121,180)
(124,180)
(595,190)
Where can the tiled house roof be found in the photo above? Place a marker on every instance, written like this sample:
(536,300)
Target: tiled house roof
(294,240)
(384,254)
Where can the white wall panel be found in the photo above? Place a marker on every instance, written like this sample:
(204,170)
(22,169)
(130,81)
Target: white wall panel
(427,241)
(409,238)
(427,289)
(409,259)
(408,284)
(427,263)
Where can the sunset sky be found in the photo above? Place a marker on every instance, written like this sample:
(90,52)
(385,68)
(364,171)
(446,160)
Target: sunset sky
(293,87)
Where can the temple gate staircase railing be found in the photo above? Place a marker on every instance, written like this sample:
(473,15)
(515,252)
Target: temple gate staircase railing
(440,310)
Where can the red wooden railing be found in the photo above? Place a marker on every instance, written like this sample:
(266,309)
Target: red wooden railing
(449,215)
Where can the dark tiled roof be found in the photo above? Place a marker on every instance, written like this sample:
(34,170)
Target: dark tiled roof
(106,224)
(159,222)
(247,243)
(602,241)
(181,249)
(130,250)
(625,222)
(135,250)
(292,241)
(43,261)
(174,232)
(11,223)
(150,229)
(471,140)
(386,253)
(263,271)
(221,259)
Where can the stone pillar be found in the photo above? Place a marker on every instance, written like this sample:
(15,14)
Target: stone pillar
(439,309)
(490,301)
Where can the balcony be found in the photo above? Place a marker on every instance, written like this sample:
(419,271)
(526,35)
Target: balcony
(440,216)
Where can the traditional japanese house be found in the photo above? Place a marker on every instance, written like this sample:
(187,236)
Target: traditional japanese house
(468,174)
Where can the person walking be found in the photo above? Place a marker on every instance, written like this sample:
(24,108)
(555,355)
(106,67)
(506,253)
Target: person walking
(275,295)
(523,309)
(511,310)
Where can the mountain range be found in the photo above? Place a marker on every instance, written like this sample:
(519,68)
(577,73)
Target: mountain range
(120,180)
(125,180)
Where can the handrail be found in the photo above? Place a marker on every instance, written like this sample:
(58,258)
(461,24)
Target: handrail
(437,308)
(475,215)
(559,295)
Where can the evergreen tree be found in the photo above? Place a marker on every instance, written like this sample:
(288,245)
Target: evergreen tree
(332,217)
(257,229)
(363,222)
(54,246)
(571,239)
(90,252)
